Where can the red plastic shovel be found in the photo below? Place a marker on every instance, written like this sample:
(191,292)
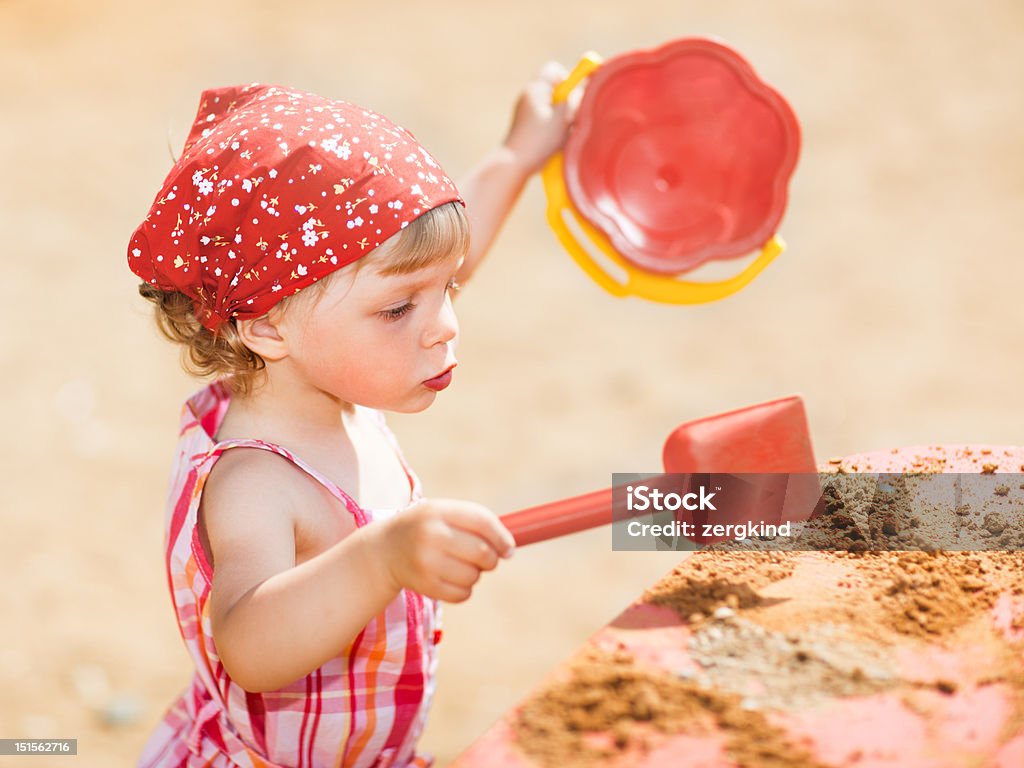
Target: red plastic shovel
(770,437)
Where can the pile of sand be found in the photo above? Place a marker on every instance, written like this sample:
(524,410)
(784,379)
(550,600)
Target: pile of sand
(770,635)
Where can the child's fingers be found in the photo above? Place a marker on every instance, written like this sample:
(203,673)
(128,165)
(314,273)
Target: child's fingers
(545,82)
(459,573)
(470,548)
(552,72)
(484,523)
(548,78)
(452,593)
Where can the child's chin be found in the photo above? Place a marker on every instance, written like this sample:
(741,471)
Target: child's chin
(417,405)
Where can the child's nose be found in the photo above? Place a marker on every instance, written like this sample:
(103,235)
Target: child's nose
(445,326)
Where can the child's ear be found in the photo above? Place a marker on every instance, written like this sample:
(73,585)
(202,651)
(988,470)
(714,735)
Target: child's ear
(262,337)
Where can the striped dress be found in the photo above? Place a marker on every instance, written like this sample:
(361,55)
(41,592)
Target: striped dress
(367,707)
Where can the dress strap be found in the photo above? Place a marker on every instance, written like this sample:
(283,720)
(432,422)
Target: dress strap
(332,488)
(414,482)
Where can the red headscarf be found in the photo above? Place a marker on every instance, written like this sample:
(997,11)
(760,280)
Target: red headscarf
(275,189)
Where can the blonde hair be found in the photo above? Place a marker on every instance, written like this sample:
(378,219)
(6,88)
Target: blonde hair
(427,240)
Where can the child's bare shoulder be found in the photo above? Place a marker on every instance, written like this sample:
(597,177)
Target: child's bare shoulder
(258,501)
(249,497)
(255,477)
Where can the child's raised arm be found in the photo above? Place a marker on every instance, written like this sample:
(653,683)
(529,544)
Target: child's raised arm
(537,131)
(274,621)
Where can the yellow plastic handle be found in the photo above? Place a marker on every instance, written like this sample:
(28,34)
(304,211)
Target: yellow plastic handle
(580,72)
(666,289)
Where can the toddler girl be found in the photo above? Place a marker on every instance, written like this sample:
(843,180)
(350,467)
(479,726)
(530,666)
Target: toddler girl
(304,252)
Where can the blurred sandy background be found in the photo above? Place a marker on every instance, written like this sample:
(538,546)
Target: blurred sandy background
(895,312)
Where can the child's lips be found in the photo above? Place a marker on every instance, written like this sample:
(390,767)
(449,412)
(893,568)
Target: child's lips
(440,382)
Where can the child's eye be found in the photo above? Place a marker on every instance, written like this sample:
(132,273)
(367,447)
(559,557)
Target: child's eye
(398,312)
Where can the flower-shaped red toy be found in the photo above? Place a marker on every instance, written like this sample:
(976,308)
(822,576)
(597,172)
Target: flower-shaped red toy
(678,156)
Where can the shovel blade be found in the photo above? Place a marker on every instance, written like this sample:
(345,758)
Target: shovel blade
(770,443)
(767,437)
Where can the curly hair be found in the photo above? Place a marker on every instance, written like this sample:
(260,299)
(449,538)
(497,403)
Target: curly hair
(427,240)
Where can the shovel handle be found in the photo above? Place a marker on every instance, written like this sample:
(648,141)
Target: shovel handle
(771,497)
(577,513)
(558,518)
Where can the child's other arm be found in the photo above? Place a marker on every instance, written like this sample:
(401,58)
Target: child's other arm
(275,621)
(491,188)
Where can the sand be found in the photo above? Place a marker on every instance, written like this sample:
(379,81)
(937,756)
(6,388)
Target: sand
(767,647)
(835,630)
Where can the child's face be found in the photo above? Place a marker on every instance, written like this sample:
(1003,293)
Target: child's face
(382,341)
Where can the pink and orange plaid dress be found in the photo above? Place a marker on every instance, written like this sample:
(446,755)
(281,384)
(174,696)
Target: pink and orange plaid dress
(366,707)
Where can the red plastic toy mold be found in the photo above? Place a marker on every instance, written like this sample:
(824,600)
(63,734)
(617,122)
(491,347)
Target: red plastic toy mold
(681,155)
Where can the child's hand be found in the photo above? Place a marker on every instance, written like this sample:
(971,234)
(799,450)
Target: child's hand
(439,547)
(539,128)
